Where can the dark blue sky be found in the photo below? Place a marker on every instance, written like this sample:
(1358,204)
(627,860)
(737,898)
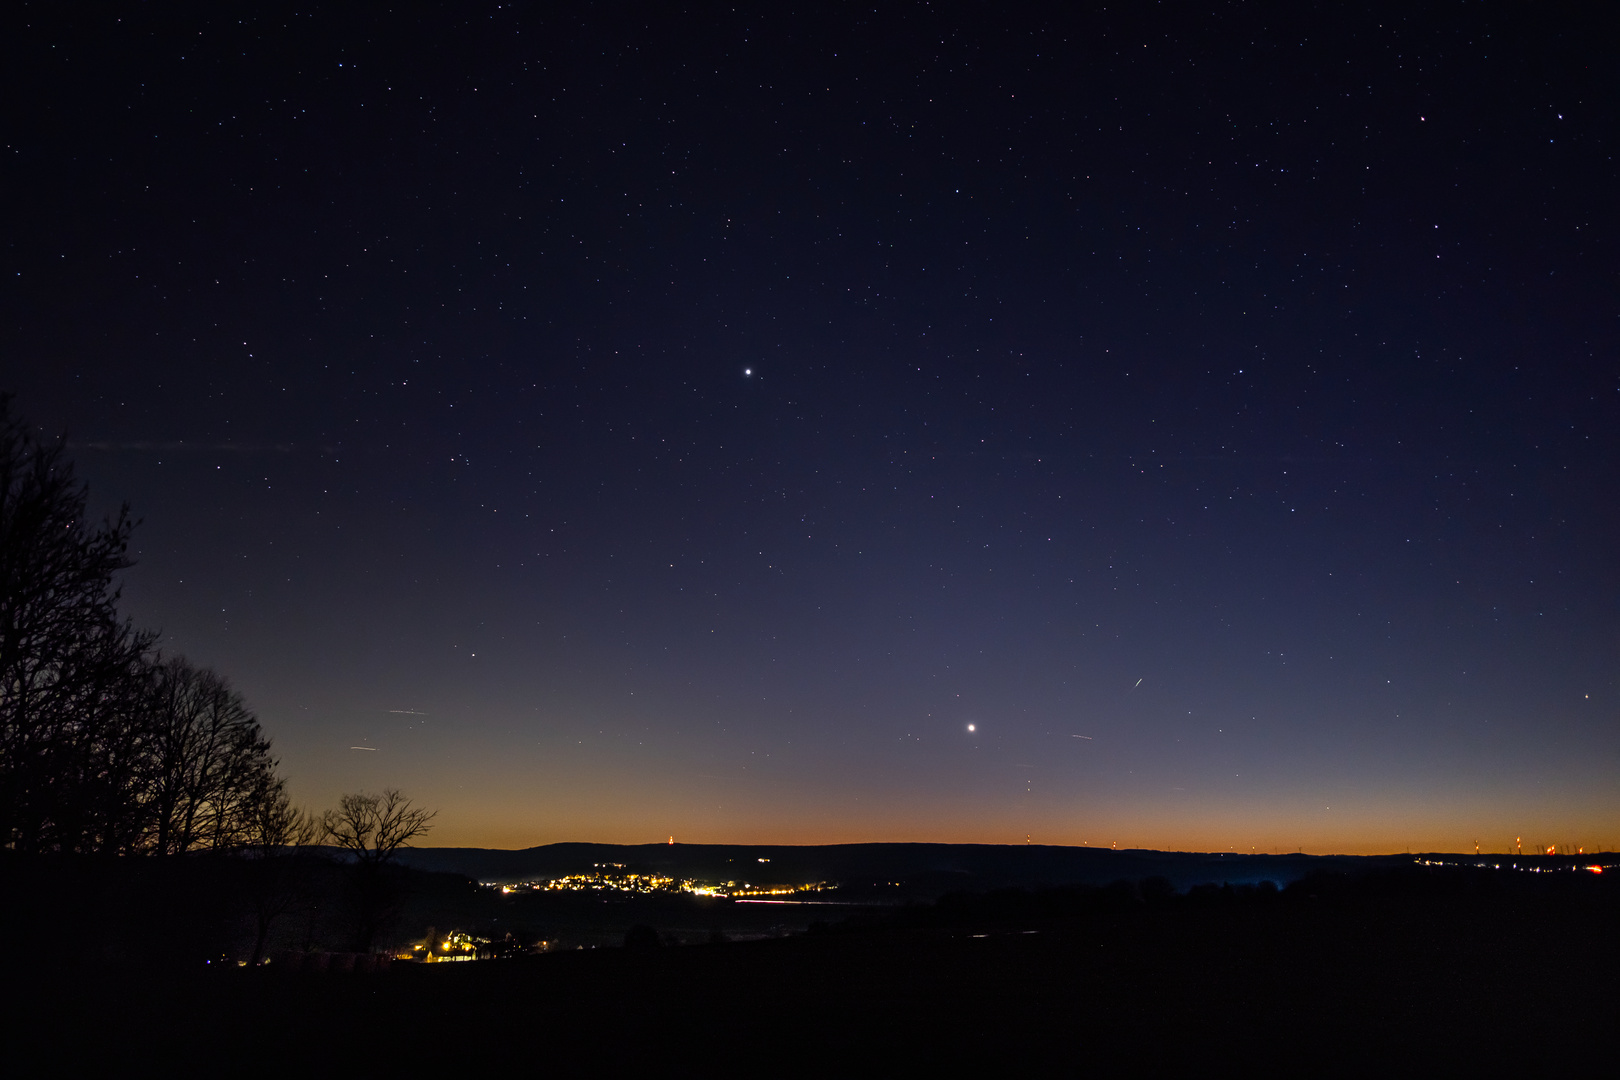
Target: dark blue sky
(634,422)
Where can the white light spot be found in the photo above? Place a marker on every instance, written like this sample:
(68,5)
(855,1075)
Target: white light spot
(972,728)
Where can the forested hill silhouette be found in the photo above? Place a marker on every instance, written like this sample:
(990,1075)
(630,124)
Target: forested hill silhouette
(923,869)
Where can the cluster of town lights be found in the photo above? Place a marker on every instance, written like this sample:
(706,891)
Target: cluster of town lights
(1596,868)
(612,877)
(457,945)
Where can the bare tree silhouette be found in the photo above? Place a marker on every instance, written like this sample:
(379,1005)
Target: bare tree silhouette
(208,760)
(372,828)
(278,838)
(71,671)
(104,746)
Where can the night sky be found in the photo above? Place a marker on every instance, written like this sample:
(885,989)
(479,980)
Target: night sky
(1191,427)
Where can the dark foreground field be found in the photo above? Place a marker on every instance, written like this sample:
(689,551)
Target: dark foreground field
(1409,973)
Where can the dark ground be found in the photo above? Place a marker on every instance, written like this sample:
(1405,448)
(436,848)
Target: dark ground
(1406,971)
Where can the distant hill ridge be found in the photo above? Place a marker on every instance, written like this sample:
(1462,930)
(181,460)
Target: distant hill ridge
(943,867)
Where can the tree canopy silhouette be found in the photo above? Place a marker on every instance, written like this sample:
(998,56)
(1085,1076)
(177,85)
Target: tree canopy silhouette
(208,761)
(72,673)
(105,746)
(373,827)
